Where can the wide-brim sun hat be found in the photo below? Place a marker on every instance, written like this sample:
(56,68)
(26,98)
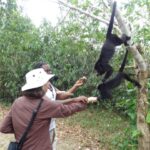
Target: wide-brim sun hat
(36,78)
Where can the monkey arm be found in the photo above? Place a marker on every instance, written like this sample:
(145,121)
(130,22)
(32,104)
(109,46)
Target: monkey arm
(136,83)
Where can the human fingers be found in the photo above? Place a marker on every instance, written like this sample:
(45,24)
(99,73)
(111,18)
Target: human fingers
(84,99)
(83,79)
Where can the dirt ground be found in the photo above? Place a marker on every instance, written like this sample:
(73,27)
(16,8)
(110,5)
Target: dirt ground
(75,138)
(68,137)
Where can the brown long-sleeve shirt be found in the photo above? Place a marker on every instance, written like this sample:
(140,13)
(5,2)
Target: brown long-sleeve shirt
(20,114)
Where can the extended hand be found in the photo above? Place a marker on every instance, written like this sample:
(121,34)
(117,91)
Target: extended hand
(83,99)
(81,81)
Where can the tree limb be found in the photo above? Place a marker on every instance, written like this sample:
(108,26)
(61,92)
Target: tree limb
(62,20)
(142,101)
(83,12)
(137,56)
(87,14)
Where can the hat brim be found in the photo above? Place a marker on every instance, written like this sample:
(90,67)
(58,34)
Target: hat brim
(29,86)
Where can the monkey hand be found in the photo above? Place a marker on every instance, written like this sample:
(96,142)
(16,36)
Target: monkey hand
(138,84)
(126,39)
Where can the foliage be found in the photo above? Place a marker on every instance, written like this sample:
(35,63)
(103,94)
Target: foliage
(19,41)
(68,53)
(148,117)
(130,142)
(71,48)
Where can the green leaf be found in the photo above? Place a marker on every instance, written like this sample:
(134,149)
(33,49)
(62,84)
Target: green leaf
(135,133)
(148,117)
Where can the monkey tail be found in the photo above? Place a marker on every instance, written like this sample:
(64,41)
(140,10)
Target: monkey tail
(111,22)
(124,61)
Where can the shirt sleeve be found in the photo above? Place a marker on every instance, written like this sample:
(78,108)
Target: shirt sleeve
(6,125)
(56,110)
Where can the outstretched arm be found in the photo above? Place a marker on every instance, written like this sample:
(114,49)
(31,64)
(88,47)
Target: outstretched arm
(56,110)
(67,94)
(78,83)
(89,100)
(66,101)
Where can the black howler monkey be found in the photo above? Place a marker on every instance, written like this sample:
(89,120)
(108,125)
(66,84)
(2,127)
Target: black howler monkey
(108,49)
(105,88)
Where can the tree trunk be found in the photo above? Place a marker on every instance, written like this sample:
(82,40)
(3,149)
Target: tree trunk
(142,101)
(142,109)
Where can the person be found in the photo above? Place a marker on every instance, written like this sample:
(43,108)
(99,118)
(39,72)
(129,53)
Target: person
(54,94)
(17,119)
(61,95)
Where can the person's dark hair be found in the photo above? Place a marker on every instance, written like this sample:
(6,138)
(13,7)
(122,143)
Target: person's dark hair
(34,93)
(39,65)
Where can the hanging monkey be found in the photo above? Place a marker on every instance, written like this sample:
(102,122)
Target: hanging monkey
(108,49)
(106,88)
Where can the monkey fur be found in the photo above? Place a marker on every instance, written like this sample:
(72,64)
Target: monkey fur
(106,88)
(108,49)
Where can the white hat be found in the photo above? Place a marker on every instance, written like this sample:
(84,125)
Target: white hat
(36,78)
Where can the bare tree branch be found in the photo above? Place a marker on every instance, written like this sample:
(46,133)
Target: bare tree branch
(62,20)
(137,56)
(88,14)
(83,12)
(104,2)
